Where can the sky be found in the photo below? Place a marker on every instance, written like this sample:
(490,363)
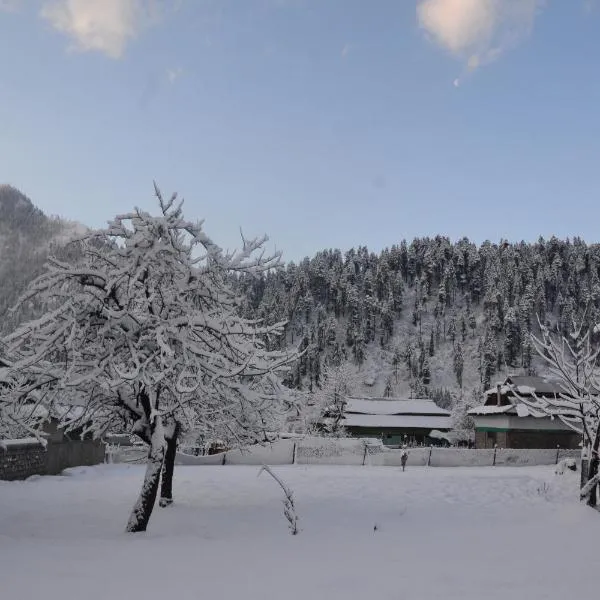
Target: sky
(321,123)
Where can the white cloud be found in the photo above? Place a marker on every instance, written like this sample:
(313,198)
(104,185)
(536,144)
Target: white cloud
(174,74)
(477,31)
(100,25)
(345,50)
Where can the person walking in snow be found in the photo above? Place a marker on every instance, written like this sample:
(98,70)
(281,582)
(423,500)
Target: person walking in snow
(404,458)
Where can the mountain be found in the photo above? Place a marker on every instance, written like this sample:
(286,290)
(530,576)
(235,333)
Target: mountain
(428,317)
(27,236)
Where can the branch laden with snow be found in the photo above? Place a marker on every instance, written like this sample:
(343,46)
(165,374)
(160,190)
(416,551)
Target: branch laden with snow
(289,507)
(572,361)
(329,400)
(143,329)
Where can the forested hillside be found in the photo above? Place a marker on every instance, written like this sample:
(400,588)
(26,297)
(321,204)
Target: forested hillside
(429,317)
(426,318)
(27,236)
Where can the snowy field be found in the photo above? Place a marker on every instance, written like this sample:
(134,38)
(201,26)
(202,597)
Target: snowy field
(367,532)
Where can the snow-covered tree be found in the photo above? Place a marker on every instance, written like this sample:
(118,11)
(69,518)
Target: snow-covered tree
(20,415)
(458,364)
(144,330)
(463,426)
(338,382)
(573,362)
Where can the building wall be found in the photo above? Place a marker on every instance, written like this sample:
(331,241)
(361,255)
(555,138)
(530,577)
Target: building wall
(537,424)
(543,439)
(489,439)
(504,421)
(527,439)
(392,436)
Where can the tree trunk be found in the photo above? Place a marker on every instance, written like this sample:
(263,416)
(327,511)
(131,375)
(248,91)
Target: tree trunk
(140,515)
(594,462)
(166,490)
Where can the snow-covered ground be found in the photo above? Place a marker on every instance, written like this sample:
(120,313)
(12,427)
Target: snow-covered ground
(367,532)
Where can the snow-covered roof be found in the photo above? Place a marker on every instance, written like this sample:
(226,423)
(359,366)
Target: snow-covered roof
(527,385)
(393,406)
(520,409)
(398,421)
(492,410)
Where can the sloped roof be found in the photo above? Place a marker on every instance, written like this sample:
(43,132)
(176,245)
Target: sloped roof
(527,385)
(377,421)
(540,384)
(492,410)
(393,406)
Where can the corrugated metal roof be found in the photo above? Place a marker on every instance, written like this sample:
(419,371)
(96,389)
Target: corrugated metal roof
(398,421)
(393,406)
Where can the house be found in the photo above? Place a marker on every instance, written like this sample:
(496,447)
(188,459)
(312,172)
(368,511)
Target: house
(504,420)
(393,420)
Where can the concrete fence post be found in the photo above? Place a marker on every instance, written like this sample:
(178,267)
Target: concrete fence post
(224,461)
(495,450)
(294,453)
(429,457)
(365,455)
(557,452)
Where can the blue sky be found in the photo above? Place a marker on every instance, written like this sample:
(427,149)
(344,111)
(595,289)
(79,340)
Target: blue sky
(322,123)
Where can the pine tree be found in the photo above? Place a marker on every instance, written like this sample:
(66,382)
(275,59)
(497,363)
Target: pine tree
(458,363)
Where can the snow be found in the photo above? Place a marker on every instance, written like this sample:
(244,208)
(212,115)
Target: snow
(19,443)
(564,464)
(491,410)
(471,533)
(394,407)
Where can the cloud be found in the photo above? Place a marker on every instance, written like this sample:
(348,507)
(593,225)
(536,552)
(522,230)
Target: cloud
(477,31)
(100,25)
(174,74)
(345,50)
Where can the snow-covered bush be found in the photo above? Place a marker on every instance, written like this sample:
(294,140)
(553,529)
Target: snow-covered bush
(289,505)
(566,464)
(329,400)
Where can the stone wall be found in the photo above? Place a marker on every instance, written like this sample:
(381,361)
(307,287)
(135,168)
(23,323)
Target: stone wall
(20,459)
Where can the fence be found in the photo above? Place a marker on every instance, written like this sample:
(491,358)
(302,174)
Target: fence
(22,458)
(324,451)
